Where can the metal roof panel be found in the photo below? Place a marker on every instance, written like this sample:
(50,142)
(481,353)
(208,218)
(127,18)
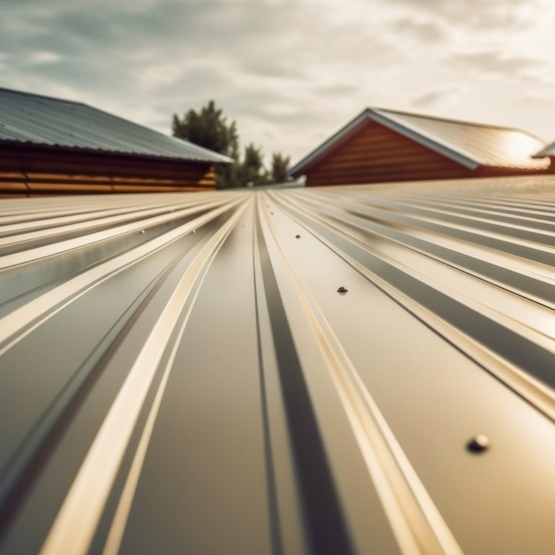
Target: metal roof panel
(45,121)
(549,150)
(357,369)
(484,145)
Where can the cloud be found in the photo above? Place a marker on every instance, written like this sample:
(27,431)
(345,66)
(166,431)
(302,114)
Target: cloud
(425,31)
(494,63)
(289,72)
(432,98)
(493,15)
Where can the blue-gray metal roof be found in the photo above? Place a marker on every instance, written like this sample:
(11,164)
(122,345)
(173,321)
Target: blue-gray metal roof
(549,151)
(349,370)
(469,144)
(41,120)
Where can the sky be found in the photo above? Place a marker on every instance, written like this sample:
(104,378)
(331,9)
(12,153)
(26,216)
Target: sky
(289,72)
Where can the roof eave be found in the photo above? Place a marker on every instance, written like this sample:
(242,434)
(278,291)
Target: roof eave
(546,152)
(214,159)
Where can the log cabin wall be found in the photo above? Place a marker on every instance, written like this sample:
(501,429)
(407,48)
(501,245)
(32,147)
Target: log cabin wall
(27,170)
(377,154)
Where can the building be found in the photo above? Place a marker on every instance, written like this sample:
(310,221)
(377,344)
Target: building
(385,145)
(49,145)
(547,152)
(340,370)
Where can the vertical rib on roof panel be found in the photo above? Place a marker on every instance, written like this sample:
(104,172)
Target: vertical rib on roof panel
(346,370)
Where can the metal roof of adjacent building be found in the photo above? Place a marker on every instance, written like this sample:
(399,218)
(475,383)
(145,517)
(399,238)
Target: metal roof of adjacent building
(548,151)
(40,120)
(359,369)
(470,144)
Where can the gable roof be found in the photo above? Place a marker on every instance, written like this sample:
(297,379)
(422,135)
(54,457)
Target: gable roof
(46,121)
(470,144)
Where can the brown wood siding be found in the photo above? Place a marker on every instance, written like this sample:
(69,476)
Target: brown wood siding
(28,170)
(377,154)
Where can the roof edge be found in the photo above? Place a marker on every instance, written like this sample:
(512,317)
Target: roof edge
(107,152)
(381,116)
(336,139)
(547,151)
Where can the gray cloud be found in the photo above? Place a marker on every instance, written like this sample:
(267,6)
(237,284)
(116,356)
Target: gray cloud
(288,71)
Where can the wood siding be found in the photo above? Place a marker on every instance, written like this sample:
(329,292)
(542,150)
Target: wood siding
(28,171)
(377,154)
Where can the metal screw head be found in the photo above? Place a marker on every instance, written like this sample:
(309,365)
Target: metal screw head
(478,444)
(142,231)
(342,290)
(297,236)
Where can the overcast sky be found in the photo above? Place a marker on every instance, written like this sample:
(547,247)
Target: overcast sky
(289,72)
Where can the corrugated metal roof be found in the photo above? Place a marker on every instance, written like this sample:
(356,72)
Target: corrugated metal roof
(181,374)
(469,144)
(41,120)
(549,150)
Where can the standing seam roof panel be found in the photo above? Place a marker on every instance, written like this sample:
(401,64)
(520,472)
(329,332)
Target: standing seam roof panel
(356,369)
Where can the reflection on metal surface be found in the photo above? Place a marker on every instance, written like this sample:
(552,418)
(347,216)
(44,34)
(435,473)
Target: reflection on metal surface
(178,373)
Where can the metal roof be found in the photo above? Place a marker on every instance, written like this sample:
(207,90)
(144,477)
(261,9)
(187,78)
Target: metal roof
(469,144)
(182,373)
(549,150)
(41,120)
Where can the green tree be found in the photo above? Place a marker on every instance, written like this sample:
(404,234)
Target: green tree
(252,168)
(208,128)
(278,169)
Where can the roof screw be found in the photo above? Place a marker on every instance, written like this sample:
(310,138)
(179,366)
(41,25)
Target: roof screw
(142,231)
(194,230)
(342,290)
(478,444)
(297,236)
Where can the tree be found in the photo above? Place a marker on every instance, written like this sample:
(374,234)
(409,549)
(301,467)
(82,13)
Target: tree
(208,128)
(278,170)
(252,168)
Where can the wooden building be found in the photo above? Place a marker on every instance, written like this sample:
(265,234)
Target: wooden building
(384,145)
(53,146)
